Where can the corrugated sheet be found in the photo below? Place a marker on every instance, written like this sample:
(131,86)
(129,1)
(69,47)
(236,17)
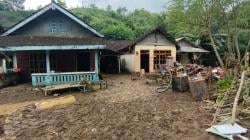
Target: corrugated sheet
(192,49)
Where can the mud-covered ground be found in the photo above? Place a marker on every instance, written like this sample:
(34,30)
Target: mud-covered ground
(126,110)
(21,93)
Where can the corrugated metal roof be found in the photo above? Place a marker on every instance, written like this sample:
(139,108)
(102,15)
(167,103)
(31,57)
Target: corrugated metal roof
(188,46)
(192,49)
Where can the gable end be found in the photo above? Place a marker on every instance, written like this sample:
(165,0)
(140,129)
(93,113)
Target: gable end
(52,6)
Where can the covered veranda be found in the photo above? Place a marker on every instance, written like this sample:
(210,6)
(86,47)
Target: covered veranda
(49,65)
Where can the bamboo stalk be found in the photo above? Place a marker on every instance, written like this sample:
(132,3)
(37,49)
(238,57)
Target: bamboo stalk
(237,97)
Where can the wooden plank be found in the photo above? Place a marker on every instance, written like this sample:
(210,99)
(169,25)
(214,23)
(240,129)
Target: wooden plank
(49,89)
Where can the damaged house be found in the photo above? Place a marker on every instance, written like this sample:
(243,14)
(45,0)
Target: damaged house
(148,51)
(53,46)
(189,52)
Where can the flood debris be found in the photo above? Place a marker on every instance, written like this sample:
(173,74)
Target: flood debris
(230,108)
(228,131)
(54,102)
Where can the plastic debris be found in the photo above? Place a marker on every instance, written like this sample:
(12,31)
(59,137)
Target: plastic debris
(228,131)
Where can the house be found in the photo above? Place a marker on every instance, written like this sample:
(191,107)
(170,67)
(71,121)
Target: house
(53,46)
(147,51)
(189,52)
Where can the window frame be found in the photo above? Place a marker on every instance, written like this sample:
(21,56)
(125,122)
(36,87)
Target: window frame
(160,57)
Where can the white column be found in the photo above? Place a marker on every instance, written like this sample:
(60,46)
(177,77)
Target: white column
(4,65)
(47,62)
(14,61)
(119,63)
(96,61)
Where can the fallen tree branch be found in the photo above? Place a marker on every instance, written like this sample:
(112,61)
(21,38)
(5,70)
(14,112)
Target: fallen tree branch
(237,97)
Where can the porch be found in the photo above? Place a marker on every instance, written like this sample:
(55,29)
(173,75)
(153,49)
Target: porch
(41,79)
(57,66)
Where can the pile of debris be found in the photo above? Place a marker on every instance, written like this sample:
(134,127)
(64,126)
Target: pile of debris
(233,102)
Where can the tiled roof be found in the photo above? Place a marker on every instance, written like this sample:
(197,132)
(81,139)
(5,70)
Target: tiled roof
(117,45)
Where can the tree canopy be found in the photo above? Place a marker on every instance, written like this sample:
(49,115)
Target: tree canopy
(109,21)
(11,5)
(224,24)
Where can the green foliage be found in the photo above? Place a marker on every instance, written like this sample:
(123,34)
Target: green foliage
(118,32)
(222,86)
(227,20)
(9,18)
(224,83)
(61,3)
(141,20)
(11,5)
(114,23)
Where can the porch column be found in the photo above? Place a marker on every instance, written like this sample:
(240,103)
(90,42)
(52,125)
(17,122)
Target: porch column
(96,61)
(14,61)
(4,65)
(47,62)
(119,63)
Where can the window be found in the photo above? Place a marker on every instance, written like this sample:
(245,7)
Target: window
(53,26)
(61,26)
(57,26)
(37,63)
(160,57)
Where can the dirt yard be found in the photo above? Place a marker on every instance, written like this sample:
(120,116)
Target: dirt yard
(20,93)
(126,110)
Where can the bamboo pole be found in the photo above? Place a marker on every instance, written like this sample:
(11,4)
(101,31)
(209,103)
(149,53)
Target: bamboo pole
(237,97)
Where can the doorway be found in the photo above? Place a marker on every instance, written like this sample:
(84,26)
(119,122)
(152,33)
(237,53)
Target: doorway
(145,60)
(109,64)
(83,61)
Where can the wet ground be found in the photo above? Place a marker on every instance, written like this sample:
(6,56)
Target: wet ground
(126,110)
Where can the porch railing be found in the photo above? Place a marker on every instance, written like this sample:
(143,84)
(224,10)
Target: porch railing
(42,79)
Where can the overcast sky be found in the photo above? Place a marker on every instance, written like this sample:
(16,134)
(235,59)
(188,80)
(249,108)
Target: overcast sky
(151,5)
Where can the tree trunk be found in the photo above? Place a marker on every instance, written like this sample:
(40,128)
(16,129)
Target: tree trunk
(237,97)
(215,49)
(229,47)
(246,51)
(237,47)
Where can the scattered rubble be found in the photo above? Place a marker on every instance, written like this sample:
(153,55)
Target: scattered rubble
(130,110)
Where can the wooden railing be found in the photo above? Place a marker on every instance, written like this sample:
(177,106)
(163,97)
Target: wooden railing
(42,79)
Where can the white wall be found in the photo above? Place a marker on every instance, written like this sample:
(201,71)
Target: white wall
(151,49)
(127,62)
(132,62)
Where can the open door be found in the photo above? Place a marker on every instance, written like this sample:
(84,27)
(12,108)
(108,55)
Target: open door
(83,61)
(145,60)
